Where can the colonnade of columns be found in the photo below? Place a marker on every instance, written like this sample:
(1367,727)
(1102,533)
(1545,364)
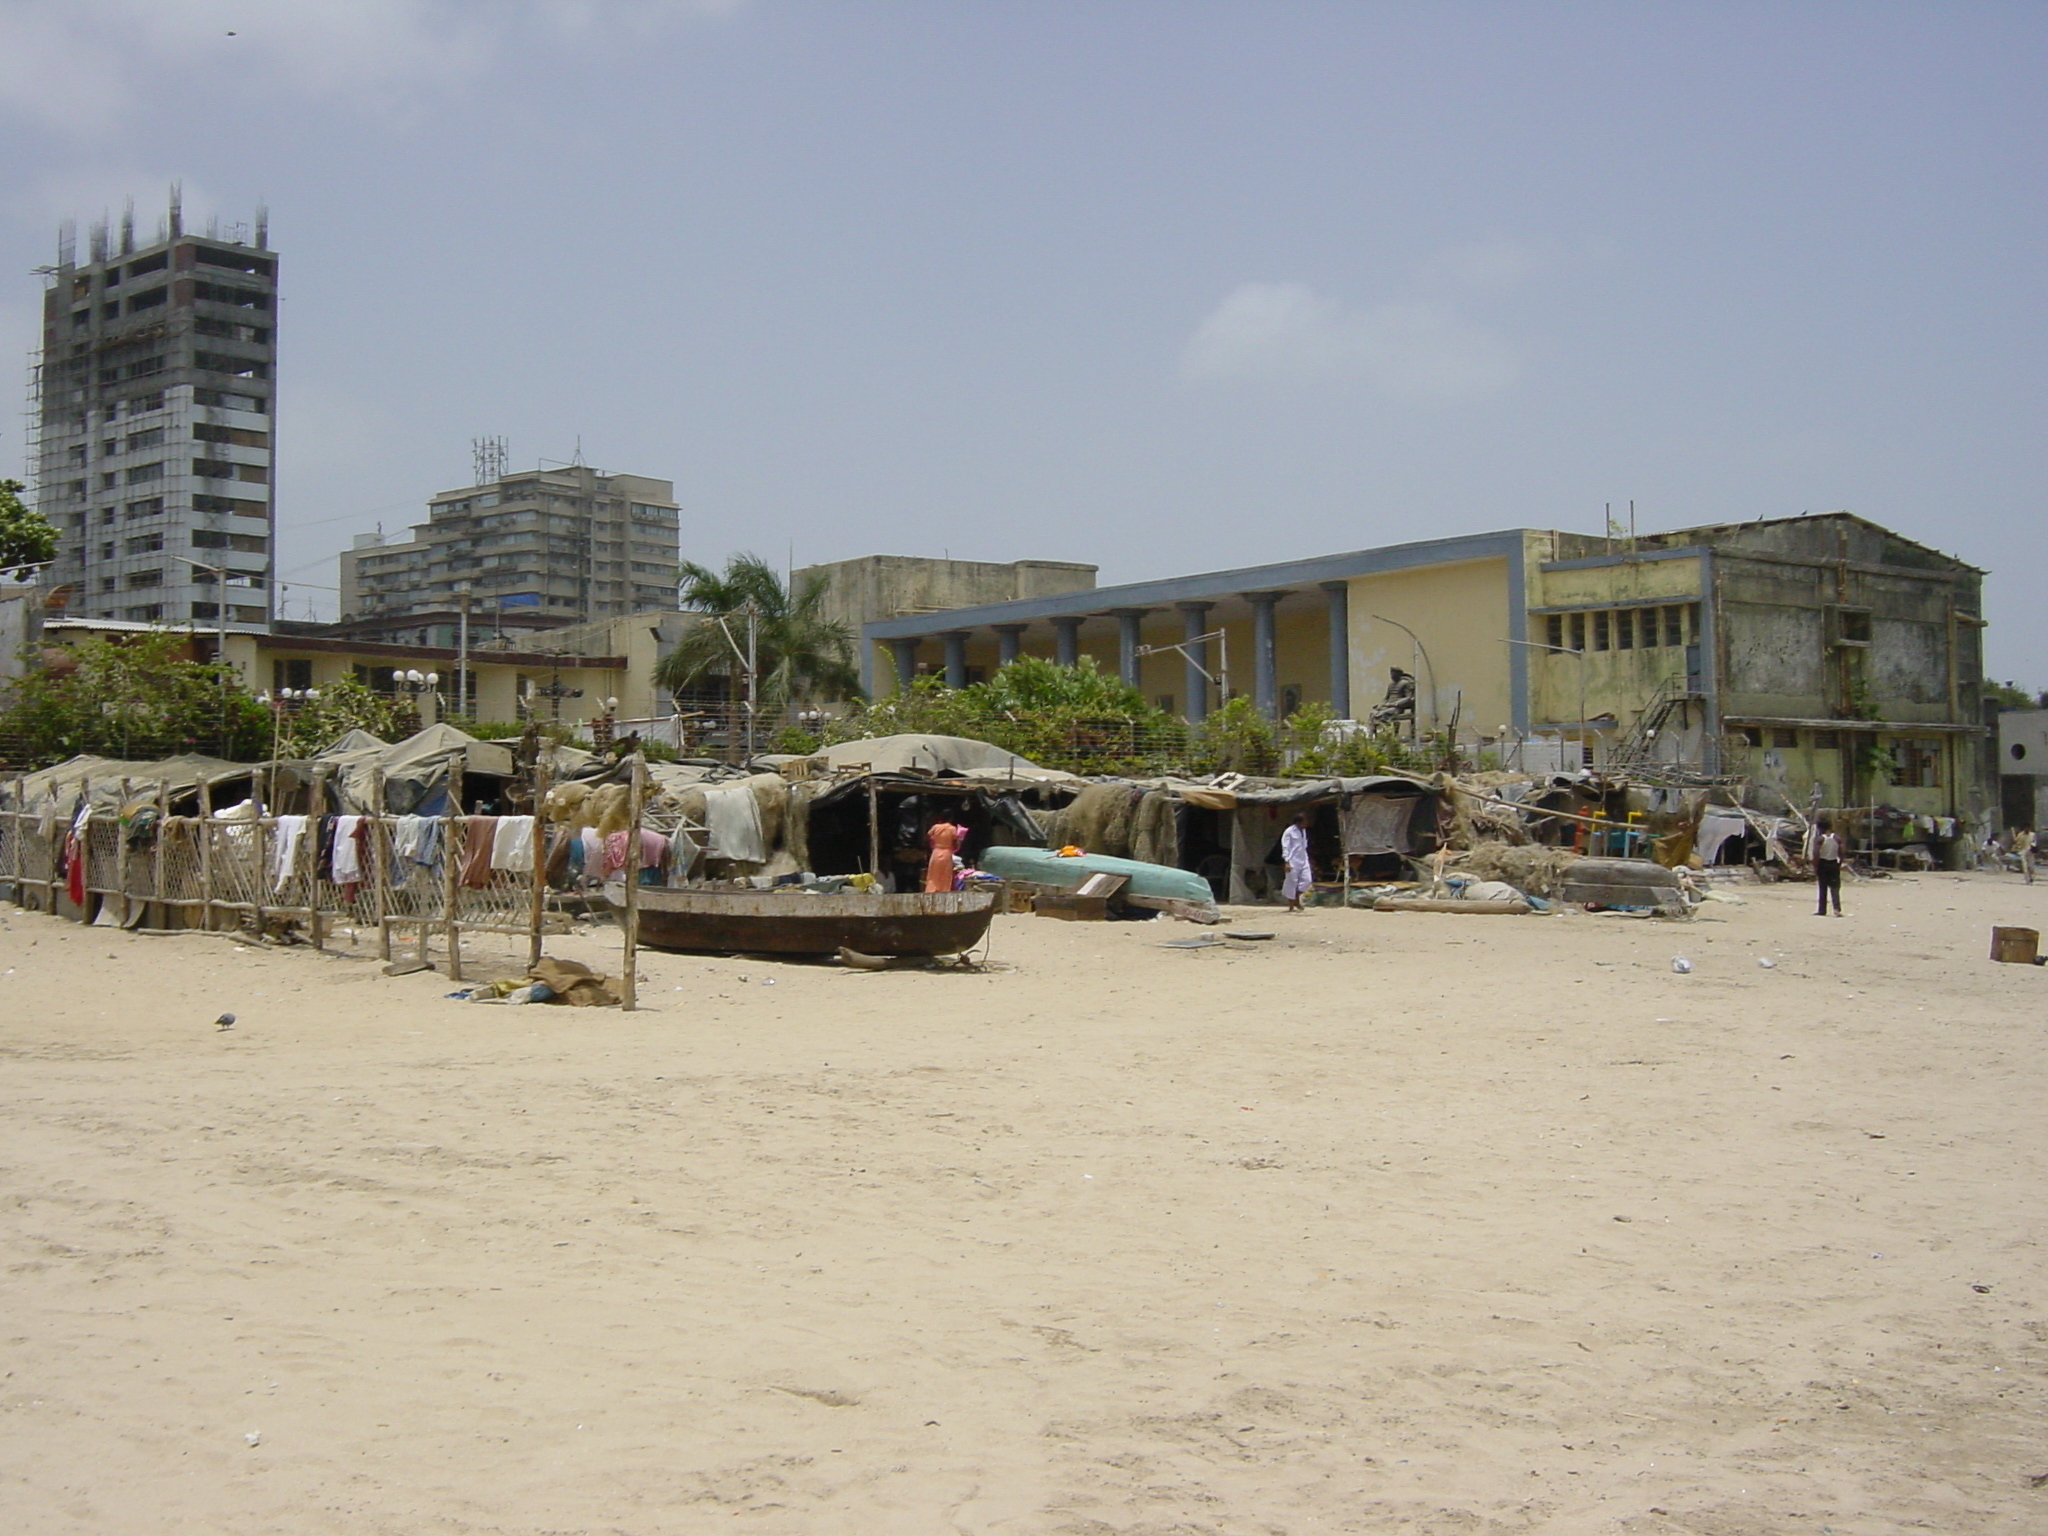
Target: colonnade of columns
(1203,674)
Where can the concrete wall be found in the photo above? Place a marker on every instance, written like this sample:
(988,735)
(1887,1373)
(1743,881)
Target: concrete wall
(1460,612)
(888,586)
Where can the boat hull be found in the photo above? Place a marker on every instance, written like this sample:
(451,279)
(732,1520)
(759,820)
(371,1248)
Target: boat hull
(793,923)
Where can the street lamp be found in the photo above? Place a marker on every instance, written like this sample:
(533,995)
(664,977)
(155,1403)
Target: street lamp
(1428,666)
(415,683)
(1580,658)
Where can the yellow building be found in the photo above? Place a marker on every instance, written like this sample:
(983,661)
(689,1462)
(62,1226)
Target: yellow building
(1795,651)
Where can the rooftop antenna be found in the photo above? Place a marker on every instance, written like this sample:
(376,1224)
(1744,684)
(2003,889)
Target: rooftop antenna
(578,460)
(488,456)
(262,226)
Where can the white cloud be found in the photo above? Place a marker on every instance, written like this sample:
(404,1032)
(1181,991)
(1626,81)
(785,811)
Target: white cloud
(1286,331)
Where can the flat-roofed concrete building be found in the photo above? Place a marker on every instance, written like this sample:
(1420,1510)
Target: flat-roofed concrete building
(1796,651)
(565,544)
(153,427)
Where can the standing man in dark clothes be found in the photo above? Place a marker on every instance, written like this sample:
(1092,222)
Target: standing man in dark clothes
(1826,851)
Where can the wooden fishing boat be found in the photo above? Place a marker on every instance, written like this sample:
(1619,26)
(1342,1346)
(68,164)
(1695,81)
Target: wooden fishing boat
(801,923)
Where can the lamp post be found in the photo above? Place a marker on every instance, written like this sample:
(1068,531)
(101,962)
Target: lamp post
(220,643)
(416,683)
(1220,678)
(1428,667)
(1578,656)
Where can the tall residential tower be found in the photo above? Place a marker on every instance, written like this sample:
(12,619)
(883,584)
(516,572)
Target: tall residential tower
(154,423)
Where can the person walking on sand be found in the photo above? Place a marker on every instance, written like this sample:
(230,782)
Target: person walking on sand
(944,838)
(1826,853)
(2023,844)
(1294,854)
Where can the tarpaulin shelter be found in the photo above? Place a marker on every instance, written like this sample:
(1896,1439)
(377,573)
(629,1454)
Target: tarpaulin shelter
(57,787)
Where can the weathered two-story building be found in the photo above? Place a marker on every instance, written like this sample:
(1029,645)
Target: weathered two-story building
(1821,649)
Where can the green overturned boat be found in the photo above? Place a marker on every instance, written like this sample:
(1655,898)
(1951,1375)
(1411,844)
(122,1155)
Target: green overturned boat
(1147,885)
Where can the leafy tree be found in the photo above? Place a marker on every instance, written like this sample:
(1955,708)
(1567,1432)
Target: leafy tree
(1033,683)
(339,708)
(26,537)
(140,696)
(799,653)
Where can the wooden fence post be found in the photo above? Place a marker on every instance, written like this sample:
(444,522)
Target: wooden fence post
(451,864)
(537,912)
(629,987)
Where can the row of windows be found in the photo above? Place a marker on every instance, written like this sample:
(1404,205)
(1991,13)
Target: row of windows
(153,613)
(1624,629)
(1911,764)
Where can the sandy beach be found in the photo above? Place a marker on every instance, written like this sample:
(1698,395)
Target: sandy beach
(1416,1223)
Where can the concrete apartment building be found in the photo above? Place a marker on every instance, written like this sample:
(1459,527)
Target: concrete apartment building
(153,424)
(1821,649)
(532,549)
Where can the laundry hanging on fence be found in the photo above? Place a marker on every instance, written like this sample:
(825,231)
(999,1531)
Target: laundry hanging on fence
(512,844)
(284,853)
(732,818)
(415,840)
(480,833)
(348,850)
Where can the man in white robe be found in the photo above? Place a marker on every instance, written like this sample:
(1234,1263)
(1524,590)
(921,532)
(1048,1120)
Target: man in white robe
(1294,854)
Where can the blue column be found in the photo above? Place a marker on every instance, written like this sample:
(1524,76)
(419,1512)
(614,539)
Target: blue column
(1339,595)
(906,662)
(1066,641)
(956,658)
(1265,653)
(1128,639)
(1194,623)
(1009,641)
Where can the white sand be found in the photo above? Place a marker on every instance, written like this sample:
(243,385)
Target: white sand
(1408,1223)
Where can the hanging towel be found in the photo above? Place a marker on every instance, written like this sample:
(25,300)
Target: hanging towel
(284,853)
(512,845)
(613,864)
(591,847)
(732,818)
(348,860)
(479,834)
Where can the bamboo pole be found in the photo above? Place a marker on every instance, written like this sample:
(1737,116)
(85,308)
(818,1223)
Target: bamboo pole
(262,863)
(206,855)
(380,864)
(156,854)
(452,851)
(121,852)
(629,986)
(874,830)
(538,907)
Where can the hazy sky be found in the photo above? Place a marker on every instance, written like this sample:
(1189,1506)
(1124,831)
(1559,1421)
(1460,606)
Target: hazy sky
(1165,286)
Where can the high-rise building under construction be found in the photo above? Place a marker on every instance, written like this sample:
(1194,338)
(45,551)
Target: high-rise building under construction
(154,424)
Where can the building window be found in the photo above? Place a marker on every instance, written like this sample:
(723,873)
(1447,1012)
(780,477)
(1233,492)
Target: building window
(1600,629)
(148,438)
(213,469)
(142,473)
(1919,765)
(1783,739)
(1554,631)
(1752,734)
(292,672)
(138,579)
(145,544)
(1827,741)
(1625,630)
(1578,627)
(147,613)
(151,507)
(1674,626)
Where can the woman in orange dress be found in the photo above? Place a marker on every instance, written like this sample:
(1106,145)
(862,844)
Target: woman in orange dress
(944,839)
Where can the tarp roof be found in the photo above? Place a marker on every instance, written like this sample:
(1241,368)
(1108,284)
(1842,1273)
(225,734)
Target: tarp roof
(58,783)
(947,756)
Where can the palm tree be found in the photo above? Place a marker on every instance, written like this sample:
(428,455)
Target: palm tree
(799,653)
